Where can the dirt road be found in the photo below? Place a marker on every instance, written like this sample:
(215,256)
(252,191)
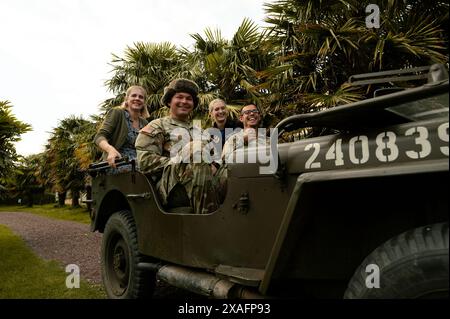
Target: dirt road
(70,243)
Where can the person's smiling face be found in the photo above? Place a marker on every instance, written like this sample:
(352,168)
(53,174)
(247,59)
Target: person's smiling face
(135,100)
(219,112)
(181,105)
(250,116)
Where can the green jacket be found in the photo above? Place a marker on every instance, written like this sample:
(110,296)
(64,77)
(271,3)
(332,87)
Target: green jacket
(114,129)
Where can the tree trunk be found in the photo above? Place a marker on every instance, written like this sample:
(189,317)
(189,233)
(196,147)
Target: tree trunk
(61,199)
(75,198)
(88,197)
(29,199)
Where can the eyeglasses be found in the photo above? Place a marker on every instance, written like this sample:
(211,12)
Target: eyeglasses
(248,112)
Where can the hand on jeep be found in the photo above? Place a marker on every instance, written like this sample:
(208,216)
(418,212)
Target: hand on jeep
(112,155)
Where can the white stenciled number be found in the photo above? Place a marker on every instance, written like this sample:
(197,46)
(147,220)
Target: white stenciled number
(310,162)
(335,153)
(443,135)
(387,150)
(421,140)
(364,149)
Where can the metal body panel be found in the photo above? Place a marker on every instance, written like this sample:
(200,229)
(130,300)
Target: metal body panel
(303,208)
(205,240)
(410,142)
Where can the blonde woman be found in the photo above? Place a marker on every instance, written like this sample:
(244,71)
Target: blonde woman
(117,135)
(219,116)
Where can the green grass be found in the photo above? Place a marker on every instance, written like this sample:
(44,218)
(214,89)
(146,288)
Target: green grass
(23,275)
(48,210)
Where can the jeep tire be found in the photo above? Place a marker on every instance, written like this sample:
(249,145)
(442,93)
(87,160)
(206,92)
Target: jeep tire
(413,264)
(120,256)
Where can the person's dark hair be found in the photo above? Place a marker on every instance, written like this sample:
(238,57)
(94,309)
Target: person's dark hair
(254,104)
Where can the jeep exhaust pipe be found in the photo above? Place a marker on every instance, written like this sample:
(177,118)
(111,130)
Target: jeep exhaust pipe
(200,282)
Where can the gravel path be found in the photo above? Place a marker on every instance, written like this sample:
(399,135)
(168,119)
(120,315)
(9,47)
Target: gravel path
(71,243)
(65,241)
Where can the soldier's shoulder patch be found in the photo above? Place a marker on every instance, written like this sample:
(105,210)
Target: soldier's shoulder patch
(147,129)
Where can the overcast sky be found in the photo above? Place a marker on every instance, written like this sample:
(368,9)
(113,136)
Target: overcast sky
(54,54)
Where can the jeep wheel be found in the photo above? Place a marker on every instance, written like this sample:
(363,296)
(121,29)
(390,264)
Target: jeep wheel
(120,256)
(411,265)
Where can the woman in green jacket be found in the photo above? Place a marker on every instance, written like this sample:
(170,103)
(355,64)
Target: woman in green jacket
(121,126)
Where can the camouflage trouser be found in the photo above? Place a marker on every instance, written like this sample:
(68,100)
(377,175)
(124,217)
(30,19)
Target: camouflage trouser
(202,188)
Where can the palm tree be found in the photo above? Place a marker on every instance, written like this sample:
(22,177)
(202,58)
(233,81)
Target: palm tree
(147,64)
(27,183)
(10,131)
(231,69)
(64,170)
(300,63)
(412,33)
(85,150)
(319,44)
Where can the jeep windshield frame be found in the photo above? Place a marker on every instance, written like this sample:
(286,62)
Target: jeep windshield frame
(392,106)
(392,109)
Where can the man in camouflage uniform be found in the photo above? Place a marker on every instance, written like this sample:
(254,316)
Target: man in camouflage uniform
(156,156)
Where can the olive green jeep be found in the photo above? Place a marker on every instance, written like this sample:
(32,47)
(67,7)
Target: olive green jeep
(358,212)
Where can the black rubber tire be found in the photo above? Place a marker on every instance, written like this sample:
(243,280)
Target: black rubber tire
(412,265)
(119,258)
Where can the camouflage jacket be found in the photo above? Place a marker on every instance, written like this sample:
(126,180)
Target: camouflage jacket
(155,142)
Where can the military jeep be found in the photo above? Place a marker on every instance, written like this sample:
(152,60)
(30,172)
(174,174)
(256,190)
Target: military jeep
(358,212)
